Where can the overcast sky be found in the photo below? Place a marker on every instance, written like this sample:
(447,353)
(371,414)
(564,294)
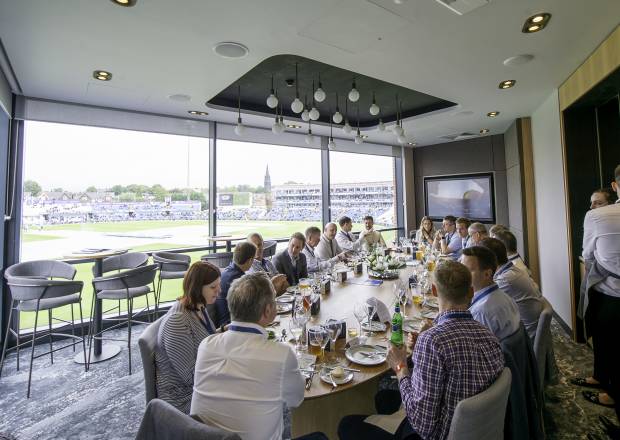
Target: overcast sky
(76,157)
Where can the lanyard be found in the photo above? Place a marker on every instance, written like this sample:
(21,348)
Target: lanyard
(263,263)
(504,268)
(485,292)
(514,257)
(207,322)
(238,328)
(310,250)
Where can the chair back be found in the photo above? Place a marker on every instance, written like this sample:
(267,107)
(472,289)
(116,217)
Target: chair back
(138,277)
(41,269)
(221,259)
(269,248)
(130,260)
(148,344)
(163,421)
(481,417)
(171,262)
(26,289)
(543,340)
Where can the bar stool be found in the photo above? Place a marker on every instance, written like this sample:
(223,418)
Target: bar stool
(172,266)
(269,248)
(37,294)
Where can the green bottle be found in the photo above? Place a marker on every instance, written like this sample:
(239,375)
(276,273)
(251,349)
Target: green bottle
(397,327)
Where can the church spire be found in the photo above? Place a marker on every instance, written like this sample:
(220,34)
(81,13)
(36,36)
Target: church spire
(267,182)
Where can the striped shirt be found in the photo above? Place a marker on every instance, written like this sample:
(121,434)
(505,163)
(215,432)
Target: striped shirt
(455,359)
(180,334)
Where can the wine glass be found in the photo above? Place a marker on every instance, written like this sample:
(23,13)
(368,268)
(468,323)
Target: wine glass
(360,311)
(319,338)
(371,310)
(333,328)
(296,326)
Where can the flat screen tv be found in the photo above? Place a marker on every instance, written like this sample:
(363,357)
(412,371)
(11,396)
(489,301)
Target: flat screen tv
(463,195)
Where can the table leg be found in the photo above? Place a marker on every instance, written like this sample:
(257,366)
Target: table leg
(228,246)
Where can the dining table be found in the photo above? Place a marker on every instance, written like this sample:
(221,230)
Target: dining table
(325,405)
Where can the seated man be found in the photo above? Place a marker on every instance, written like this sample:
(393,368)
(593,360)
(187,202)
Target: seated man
(260,264)
(328,247)
(315,263)
(510,241)
(495,229)
(243,256)
(345,239)
(477,232)
(242,380)
(490,306)
(455,359)
(371,237)
(447,240)
(518,285)
(462,225)
(291,261)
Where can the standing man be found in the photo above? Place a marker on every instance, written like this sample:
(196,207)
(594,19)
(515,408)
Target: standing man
(345,239)
(371,237)
(447,240)
(328,247)
(600,299)
(291,262)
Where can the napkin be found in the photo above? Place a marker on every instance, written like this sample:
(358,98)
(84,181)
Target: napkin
(383,313)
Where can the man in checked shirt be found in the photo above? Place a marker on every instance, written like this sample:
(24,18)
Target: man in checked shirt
(453,360)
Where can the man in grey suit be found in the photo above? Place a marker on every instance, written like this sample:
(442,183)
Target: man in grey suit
(291,262)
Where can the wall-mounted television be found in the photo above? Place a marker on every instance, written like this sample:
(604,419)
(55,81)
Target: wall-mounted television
(462,195)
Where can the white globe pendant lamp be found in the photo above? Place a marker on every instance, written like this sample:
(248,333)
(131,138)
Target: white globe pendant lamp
(337,117)
(319,93)
(272,99)
(354,94)
(374,108)
(297,106)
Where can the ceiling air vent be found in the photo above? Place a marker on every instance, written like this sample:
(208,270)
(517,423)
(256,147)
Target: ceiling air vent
(462,7)
(458,137)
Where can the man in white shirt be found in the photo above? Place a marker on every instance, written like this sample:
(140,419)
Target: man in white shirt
(490,306)
(328,247)
(314,262)
(371,237)
(345,238)
(447,240)
(242,380)
(510,241)
(600,298)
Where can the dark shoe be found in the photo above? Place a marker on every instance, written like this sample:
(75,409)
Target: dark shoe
(592,397)
(581,382)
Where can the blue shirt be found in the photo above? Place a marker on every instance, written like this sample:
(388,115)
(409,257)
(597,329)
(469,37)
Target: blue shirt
(455,245)
(494,309)
(230,274)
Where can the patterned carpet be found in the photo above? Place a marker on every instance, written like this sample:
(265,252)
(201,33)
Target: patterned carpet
(107,403)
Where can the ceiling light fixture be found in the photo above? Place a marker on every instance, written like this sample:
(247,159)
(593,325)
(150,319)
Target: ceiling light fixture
(374,108)
(337,117)
(536,23)
(309,137)
(277,128)
(179,97)
(492,114)
(297,106)
(239,129)
(272,99)
(293,126)
(346,127)
(230,49)
(398,129)
(102,75)
(197,113)
(358,137)
(305,115)
(314,113)
(518,60)
(354,95)
(319,94)
(412,144)
(331,144)
(507,84)
(484,131)
(125,3)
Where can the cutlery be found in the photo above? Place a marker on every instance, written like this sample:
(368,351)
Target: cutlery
(330,377)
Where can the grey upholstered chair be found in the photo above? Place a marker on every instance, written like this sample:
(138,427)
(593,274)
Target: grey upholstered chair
(221,259)
(481,417)
(35,295)
(269,248)
(126,285)
(163,421)
(172,266)
(148,343)
(49,269)
(543,345)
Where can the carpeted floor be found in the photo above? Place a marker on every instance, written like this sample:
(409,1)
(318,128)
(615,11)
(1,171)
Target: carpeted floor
(107,403)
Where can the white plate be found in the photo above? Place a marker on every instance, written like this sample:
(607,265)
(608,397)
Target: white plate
(292,289)
(355,354)
(432,302)
(285,298)
(429,314)
(413,325)
(348,377)
(284,308)
(375,326)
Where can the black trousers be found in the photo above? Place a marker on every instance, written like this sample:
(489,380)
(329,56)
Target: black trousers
(605,324)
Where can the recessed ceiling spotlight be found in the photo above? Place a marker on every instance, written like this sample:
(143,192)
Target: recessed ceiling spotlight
(230,49)
(364,136)
(518,60)
(507,84)
(411,144)
(293,126)
(536,23)
(484,131)
(492,114)
(197,113)
(179,97)
(125,3)
(102,75)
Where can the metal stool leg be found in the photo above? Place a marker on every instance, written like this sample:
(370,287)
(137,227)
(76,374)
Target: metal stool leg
(83,336)
(49,322)
(17,337)
(91,328)
(34,337)
(6,339)
(73,327)
(130,311)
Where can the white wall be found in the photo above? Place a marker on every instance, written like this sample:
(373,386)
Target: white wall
(551,207)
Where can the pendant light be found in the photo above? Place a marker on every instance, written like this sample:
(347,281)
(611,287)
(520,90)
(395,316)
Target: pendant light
(398,130)
(272,99)
(401,137)
(354,95)
(358,137)
(309,137)
(331,144)
(305,115)
(374,108)
(239,129)
(314,113)
(346,127)
(278,126)
(297,106)
(282,126)
(337,117)
(319,94)
(381,126)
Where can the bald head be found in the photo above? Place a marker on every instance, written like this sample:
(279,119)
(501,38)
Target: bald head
(330,230)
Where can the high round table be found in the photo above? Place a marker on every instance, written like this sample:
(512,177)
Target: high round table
(323,408)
